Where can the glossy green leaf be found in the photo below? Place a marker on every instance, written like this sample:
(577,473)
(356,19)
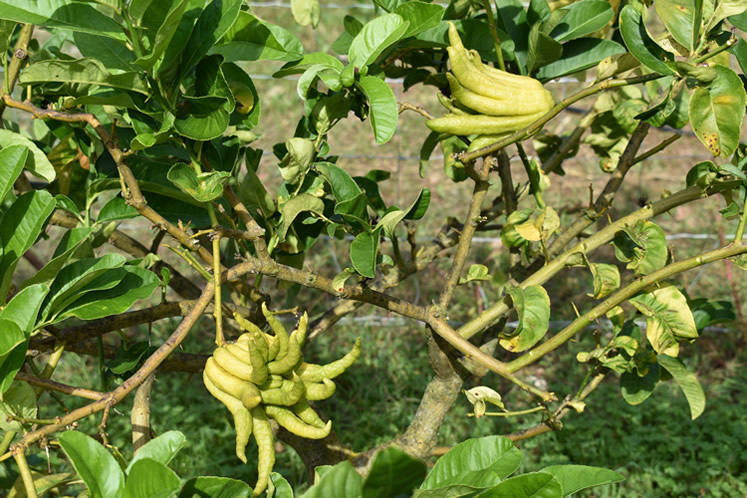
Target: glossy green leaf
(114,54)
(6,33)
(12,335)
(217,487)
(420,16)
(384,111)
(161,449)
(164,33)
(18,400)
(137,283)
(21,224)
(24,307)
(86,71)
(202,187)
(532,304)
(77,277)
(426,150)
(643,246)
(542,49)
(313,59)
(513,17)
(669,320)
(578,55)
(152,479)
(495,454)
(352,27)
(95,465)
(36,162)
(340,480)
(328,73)
(63,14)
(582,19)
(534,484)
(687,381)
(724,9)
(363,252)
(717,111)
(574,478)
(251,190)
(640,43)
(297,205)
(679,18)
(306,12)
(338,282)
(375,37)
(297,160)
(214,21)
(606,279)
(707,313)
(116,209)
(250,39)
(343,186)
(636,389)
(393,473)
(70,242)
(44,483)
(12,160)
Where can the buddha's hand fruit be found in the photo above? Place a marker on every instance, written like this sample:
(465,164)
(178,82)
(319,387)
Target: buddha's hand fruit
(502,102)
(262,376)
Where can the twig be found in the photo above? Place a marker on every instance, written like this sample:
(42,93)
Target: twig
(25,471)
(656,149)
(494,33)
(56,386)
(405,106)
(140,415)
(620,296)
(19,55)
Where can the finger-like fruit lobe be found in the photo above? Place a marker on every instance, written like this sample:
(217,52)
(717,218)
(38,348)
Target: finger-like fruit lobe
(260,376)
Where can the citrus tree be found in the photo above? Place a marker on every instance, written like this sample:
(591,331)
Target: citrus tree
(146,111)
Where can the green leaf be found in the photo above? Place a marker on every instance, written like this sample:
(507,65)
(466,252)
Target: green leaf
(70,242)
(161,449)
(418,208)
(24,307)
(306,12)
(63,14)
(251,191)
(86,71)
(679,18)
(717,111)
(496,454)
(297,160)
(542,49)
(574,478)
(513,17)
(202,187)
(164,33)
(578,55)
(393,473)
(340,480)
(687,381)
(206,114)
(338,282)
(643,247)
(148,477)
(297,205)
(218,487)
(75,277)
(669,320)
(20,226)
(116,209)
(533,307)
(114,54)
(309,60)
(475,272)
(375,37)
(343,186)
(535,484)
(213,23)
(282,488)
(363,252)
(640,43)
(18,400)
(95,465)
(11,337)
(582,19)
(137,283)
(426,150)
(384,111)
(12,160)
(606,279)
(636,389)
(724,9)
(251,39)
(707,313)
(36,162)
(420,16)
